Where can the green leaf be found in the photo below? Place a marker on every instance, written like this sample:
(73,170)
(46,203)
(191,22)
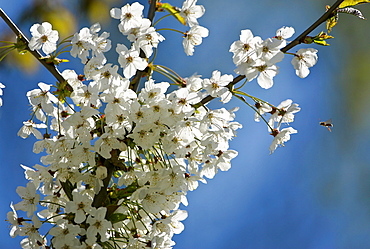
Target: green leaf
(348,3)
(116,217)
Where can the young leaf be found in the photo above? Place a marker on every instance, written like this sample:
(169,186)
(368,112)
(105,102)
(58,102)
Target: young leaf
(331,21)
(319,39)
(348,3)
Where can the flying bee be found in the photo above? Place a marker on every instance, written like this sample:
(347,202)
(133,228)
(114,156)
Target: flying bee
(328,124)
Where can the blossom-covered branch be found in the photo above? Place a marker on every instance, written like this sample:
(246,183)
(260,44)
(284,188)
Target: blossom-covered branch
(292,44)
(118,161)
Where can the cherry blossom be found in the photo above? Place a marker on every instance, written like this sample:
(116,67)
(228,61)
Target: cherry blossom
(245,50)
(98,225)
(130,60)
(304,59)
(43,37)
(280,137)
(191,12)
(193,38)
(129,15)
(216,86)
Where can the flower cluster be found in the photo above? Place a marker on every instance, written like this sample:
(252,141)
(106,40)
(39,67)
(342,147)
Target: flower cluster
(256,58)
(119,161)
(282,114)
(156,145)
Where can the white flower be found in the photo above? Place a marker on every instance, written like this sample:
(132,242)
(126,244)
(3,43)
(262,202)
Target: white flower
(42,98)
(34,239)
(72,78)
(130,60)
(1,93)
(303,59)
(193,38)
(79,124)
(30,199)
(269,50)
(264,70)
(12,218)
(184,100)
(216,86)
(148,40)
(43,37)
(105,76)
(244,50)
(153,92)
(191,12)
(284,113)
(267,73)
(94,65)
(262,108)
(65,234)
(280,137)
(67,241)
(98,225)
(101,43)
(222,162)
(152,201)
(80,206)
(283,34)
(86,95)
(82,42)
(174,221)
(30,127)
(106,143)
(129,15)
(193,83)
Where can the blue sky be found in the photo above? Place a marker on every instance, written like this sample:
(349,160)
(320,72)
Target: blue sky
(312,193)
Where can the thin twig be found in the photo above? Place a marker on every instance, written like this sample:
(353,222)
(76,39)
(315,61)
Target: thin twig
(50,67)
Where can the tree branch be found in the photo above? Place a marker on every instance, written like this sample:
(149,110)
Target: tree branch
(319,21)
(139,74)
(50,67)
